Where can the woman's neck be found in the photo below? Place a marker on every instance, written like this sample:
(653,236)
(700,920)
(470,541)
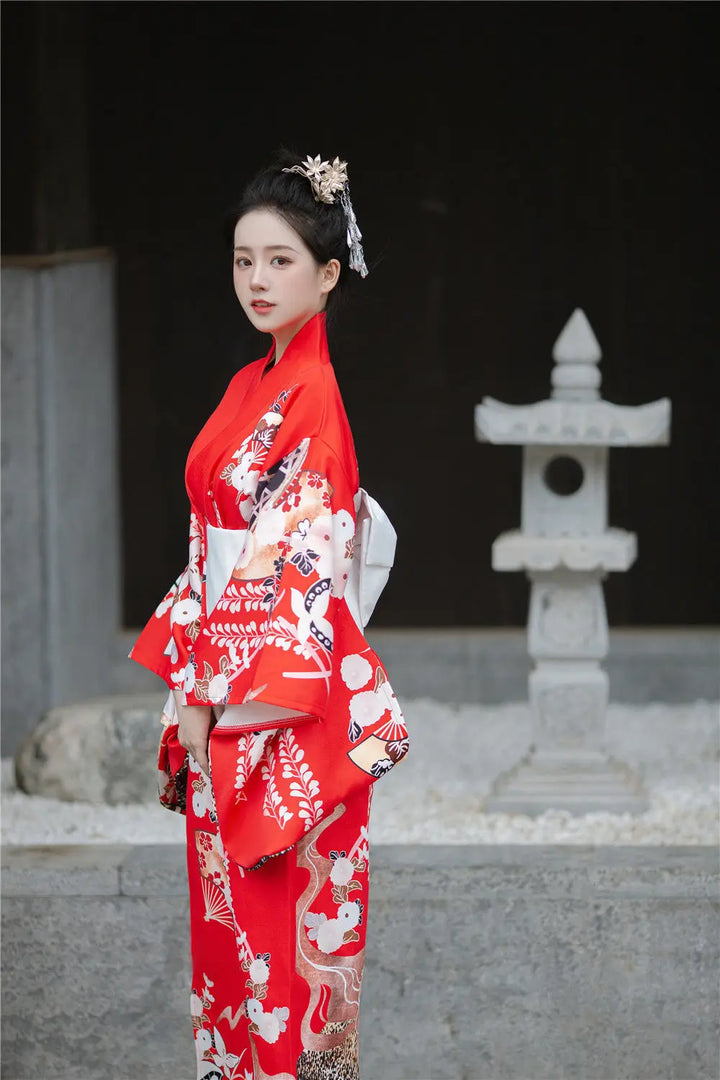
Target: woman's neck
(271,362)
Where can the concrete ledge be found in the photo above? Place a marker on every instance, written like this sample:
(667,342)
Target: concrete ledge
(557,871)
(483,963)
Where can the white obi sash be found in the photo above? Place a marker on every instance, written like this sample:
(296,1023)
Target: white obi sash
(375,543)
(223,550)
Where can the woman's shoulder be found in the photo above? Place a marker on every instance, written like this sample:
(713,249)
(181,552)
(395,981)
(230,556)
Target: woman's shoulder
(334,428)
(318,389)
(312,408)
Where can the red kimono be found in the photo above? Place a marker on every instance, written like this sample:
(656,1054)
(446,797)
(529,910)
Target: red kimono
(260,626)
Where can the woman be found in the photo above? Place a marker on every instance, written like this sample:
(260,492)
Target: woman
(280,715)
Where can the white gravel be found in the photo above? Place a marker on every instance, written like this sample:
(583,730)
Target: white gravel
(436,795)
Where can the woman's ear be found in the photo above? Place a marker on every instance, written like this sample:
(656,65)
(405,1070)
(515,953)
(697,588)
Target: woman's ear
(329,274)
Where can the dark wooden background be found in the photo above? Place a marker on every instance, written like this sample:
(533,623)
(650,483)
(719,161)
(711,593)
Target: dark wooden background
(509,162)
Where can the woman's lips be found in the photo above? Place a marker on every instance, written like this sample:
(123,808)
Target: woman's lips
(261,306)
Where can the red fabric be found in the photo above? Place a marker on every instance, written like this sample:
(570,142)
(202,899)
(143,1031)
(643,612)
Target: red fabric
(278,952)
(277,459)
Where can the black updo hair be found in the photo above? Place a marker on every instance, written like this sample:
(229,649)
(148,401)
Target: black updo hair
(321,226)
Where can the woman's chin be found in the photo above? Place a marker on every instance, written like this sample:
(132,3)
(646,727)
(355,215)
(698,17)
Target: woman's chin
(265,324)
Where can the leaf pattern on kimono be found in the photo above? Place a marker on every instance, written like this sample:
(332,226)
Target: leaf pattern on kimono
(251,596)
(273,804)
(303,785)
(305,561)
(242,769)
(225,634)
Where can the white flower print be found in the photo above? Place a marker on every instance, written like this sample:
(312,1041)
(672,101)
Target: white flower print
(218,688)
(317,535)
(268,529)
(342,871)
(369,706)
(267,1025)
(366,708)
(331,934)
(185,612)
(355,671)
(189,679)
(259,969)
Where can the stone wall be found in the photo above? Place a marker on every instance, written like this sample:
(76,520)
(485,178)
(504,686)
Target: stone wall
(505,962)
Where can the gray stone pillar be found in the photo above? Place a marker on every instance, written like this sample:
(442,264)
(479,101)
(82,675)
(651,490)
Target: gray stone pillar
(60,521)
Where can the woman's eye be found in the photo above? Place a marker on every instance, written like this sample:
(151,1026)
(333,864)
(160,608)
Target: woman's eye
(281,260)
(241,261)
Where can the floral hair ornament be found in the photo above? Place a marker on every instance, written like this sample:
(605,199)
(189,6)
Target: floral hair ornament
(329,182)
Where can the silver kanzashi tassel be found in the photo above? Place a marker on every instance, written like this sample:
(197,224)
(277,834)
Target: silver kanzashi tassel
(326,179)
(354,236)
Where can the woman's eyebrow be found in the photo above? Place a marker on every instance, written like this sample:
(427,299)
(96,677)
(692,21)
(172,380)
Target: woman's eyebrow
(270,247)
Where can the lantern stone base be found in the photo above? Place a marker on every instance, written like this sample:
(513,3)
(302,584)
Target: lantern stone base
(581,783)
(567,767)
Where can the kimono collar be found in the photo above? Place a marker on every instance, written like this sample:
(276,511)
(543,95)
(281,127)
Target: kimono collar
(308,345)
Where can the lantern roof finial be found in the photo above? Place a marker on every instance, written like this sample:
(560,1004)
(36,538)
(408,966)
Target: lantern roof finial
(576,375)
(577,343)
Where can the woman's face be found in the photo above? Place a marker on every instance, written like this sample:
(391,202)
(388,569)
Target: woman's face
(277,280)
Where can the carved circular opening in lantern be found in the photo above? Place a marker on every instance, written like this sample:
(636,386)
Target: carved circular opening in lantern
(563,475)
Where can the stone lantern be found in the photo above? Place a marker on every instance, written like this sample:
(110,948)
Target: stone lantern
(567,549)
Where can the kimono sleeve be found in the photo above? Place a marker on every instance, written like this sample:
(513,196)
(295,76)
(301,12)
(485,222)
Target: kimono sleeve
(167,640)
(270,635)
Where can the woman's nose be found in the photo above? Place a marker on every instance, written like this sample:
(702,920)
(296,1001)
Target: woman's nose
(257,279)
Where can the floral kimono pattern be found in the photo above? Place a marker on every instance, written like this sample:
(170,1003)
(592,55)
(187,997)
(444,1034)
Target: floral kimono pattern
(278,952)
(272,480)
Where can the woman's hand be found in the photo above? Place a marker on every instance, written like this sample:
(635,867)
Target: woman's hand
(194,723)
